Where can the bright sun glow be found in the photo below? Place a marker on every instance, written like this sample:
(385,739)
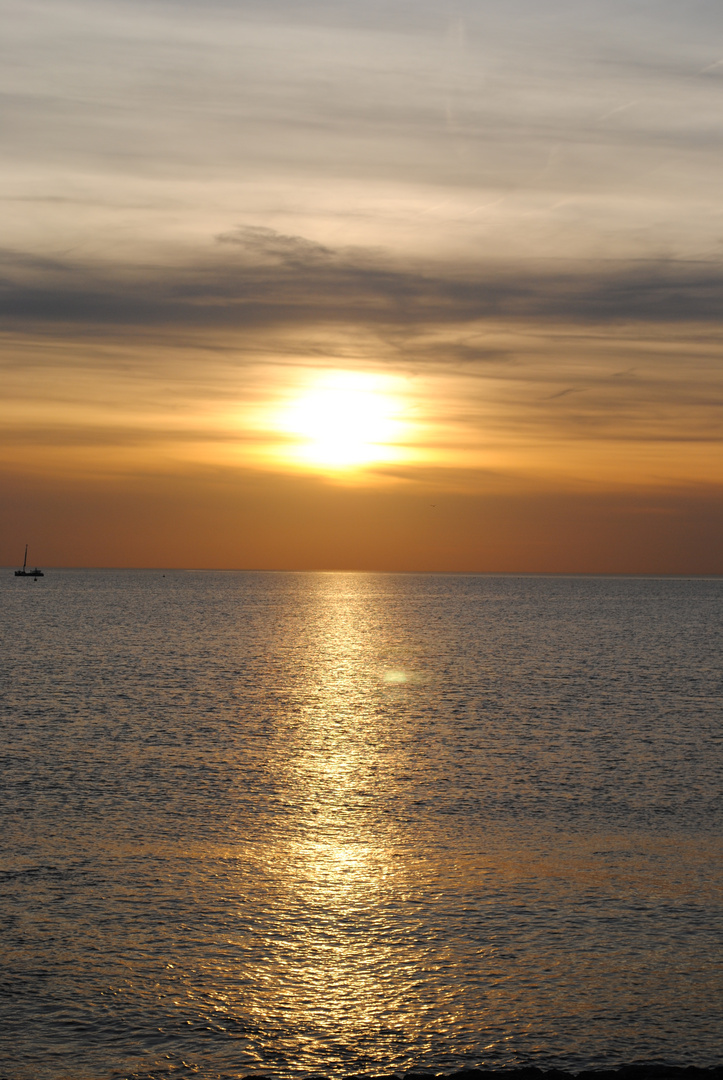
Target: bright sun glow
(345,420)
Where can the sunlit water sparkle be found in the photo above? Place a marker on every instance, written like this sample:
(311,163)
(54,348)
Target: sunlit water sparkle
(342,823)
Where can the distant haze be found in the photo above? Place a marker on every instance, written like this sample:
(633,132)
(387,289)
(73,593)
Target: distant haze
(400,286)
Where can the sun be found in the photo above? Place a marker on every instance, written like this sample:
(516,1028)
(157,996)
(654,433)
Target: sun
(345,420)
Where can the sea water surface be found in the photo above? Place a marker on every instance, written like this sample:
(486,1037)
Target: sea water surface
(342,824)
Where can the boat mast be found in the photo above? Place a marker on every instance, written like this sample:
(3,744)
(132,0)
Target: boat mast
(26,557)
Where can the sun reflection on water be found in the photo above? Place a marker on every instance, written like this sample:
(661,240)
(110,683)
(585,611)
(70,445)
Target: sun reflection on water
(345,969)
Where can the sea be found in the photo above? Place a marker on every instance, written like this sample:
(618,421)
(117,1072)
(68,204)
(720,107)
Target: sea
(348,824)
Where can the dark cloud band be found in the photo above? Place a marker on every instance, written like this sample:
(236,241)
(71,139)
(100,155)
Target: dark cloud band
(256,277)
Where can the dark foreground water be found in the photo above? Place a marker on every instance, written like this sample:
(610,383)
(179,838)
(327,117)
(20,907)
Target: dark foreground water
(343,823)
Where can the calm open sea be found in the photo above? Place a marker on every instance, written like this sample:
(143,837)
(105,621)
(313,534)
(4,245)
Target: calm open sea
(334,823)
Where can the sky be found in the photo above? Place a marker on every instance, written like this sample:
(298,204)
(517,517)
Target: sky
(421,285)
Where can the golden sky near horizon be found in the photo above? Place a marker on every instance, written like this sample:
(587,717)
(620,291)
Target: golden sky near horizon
(417,285)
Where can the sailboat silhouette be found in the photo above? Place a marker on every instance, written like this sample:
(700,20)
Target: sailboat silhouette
(28,573)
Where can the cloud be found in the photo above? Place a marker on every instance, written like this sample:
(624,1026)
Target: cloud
(262,244)
(281,280)
(528,353)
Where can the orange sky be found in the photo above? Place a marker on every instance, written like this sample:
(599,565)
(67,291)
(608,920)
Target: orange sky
(411,288)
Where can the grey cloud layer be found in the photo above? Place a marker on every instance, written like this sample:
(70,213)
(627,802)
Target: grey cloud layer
(139,89)
(256,276)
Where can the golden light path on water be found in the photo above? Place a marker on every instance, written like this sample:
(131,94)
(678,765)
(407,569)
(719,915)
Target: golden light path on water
(348,964)
(345,971)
